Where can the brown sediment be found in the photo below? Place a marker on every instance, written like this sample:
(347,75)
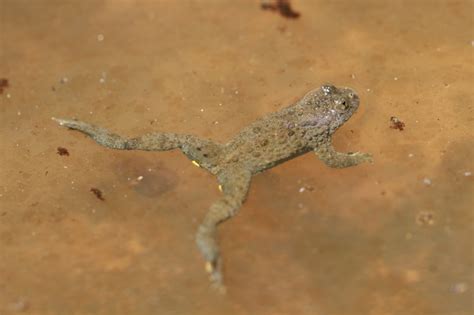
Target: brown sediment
(297,245)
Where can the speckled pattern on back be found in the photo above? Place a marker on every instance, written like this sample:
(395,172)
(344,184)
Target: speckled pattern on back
(304,126)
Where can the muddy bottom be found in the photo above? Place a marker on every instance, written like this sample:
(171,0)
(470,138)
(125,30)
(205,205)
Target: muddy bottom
(392,237)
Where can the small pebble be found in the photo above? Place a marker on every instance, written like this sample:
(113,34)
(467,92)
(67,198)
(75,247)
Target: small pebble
(302,189)
(64,80)
(425,218)
(411,276)
(427,181)
(460,287)
(202,110)
(19,306)
(467,174)
(100,37)
(395,78)
(103,77)
(410,155)
(139,178)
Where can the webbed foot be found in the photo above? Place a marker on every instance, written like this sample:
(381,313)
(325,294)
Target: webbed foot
(215,276)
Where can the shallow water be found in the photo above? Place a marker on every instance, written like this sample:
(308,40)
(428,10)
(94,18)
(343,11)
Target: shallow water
(394,237)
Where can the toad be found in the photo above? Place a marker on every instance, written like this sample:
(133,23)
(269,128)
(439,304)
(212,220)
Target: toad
(304,126)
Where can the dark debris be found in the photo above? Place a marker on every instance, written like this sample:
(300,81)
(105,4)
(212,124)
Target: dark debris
(98,193)
(62,151)
(397,123)
(3,85)
(282,6)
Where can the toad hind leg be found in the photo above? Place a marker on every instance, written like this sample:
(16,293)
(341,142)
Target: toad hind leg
(235,184)
(204,152)
(149,142)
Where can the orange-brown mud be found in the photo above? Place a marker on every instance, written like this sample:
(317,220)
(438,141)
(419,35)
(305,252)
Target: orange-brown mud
(394,237)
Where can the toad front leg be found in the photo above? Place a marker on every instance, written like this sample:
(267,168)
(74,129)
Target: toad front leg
(332,158)
(235,184)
